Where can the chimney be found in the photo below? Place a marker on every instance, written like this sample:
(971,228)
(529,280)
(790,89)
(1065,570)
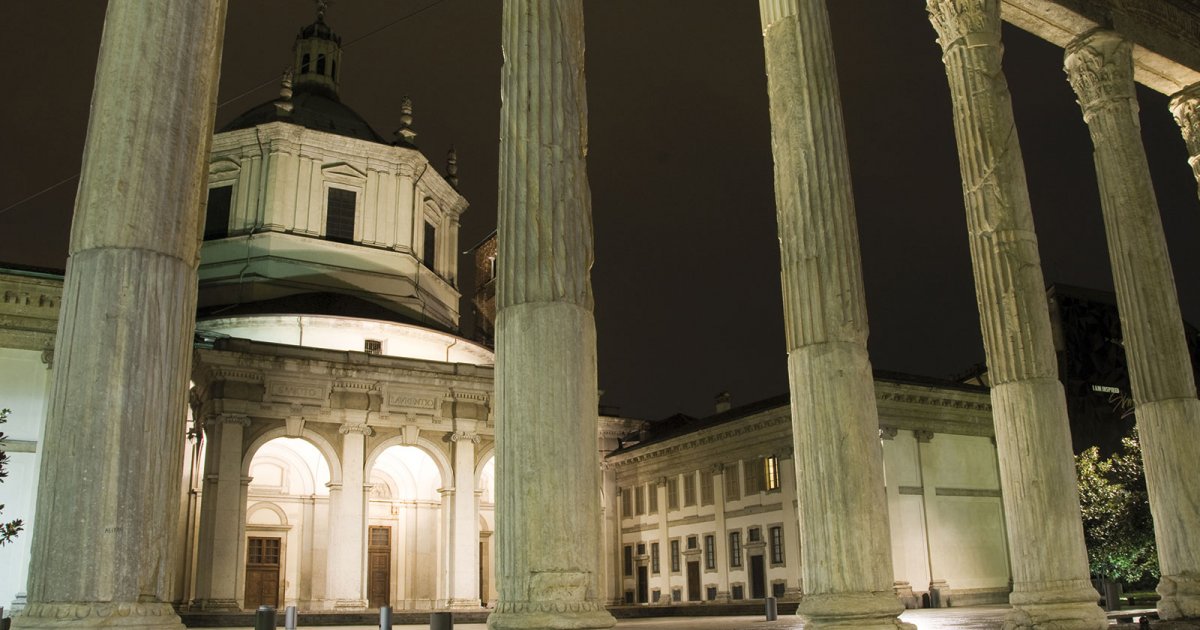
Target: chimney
(723,403)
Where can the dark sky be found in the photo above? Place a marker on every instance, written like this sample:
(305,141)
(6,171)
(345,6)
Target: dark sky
(687,263)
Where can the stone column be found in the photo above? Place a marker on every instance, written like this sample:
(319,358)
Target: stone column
(847,565)
(1050,573)
(721,539)
(547,463)
(347,525)
(464,547)
(1185,106)
(102,553)
(1099,66)
(222,514)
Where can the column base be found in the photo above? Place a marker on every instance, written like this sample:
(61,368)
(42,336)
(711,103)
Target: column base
(853,611)
(1071,608)
(215,604)
(549,615)
(70,615)
(1180,597)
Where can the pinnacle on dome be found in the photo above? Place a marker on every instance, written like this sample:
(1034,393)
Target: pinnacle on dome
(318,52)
(405,135)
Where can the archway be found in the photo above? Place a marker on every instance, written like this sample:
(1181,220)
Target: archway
(485,487)
(406,527)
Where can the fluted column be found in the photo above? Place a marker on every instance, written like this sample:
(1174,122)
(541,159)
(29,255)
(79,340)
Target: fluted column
(547,450)
(1051,588)
(102,552)
(222,514)
(345,588)
(464,548)
(1099,66)
(1185,106)
(847,565)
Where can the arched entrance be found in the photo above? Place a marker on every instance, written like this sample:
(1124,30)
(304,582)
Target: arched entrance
(405,529)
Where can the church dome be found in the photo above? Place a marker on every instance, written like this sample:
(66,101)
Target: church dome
(313,108)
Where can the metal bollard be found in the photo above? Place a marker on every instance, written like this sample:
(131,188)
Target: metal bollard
(289,618)
(385,618)
(772,609)
(441,621)
(264,618)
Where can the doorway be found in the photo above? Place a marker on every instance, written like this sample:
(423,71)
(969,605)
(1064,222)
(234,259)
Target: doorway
(693,572)
(262,572)
(643,585)
(758,578)
(379,566)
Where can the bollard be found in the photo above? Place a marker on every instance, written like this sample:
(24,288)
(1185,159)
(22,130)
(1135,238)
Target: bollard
(441,621)
(264,618)
(772,609)
(289,618)
(385,618)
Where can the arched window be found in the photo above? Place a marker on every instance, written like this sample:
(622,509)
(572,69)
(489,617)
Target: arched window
(320,63)
(304,64)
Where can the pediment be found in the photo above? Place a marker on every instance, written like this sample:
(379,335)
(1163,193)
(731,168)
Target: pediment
(221,166)
(343,169)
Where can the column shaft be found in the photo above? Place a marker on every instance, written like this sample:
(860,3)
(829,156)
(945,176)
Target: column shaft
(1099,66)
(347,525)
(102,553)
(464,549)
(1050,574)
(847,566)
(547,462)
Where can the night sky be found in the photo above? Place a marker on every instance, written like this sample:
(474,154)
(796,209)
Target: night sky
(687,261)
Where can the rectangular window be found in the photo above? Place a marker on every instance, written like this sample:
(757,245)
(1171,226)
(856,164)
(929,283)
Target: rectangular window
(706,487)
(339,215)
(735,549)
(689,489)
(753,476)
(372,346)
(776,545)
(754,534)
(772,473)
(710,552)
(430,252)
(653,496)
(739,591)
(641,549)
(639,500)
(777,589)
(626,502)
(710,592)
(675,556)
(216,217)
(654,562)
(628,560)
(672,493)
(733,491)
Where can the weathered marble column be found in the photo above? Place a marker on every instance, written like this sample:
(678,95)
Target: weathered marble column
(847,560)
(1051,588)
(1099,66)
(102,552)
(547,462)
(222,514)
(464,547)
(347,525)
(1185,106)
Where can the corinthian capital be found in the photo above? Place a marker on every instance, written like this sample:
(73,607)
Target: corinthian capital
(1099,65)
(1185,106)
(964,21)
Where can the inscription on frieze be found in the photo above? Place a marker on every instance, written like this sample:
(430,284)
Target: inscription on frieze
(297,390)
(407,400)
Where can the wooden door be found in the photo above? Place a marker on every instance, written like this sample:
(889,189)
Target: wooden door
(262,572)
(758,578)
(379,566)
(693,580)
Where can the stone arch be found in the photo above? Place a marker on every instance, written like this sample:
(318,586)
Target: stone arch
(429,447)
(481,460)
(269,507)
(312,437)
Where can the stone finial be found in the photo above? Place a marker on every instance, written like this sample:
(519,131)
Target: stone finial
(284,105)
(406,134)
(322,6)
(723,402)
(452,167)
(1099,66)
(956,21)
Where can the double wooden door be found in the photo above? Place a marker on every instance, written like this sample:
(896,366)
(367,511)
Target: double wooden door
(262,572)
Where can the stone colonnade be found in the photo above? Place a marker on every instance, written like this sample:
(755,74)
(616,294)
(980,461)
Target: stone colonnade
(129,304)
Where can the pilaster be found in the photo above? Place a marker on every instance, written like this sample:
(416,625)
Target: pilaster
(345,588)
(1050,573)
(847,566)
(547,451)
(1099,66)
(112,460)
(464,549)
(222,513)
(721,539)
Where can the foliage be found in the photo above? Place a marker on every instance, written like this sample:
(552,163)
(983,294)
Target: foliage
(8,530)
(1117,525)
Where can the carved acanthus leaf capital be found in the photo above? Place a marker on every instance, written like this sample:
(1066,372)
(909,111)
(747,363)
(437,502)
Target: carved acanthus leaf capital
(362,429)
(1099,66)
(1185,106)
(964,21)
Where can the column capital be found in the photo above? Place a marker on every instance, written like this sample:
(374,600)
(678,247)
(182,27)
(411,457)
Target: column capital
(717,468)
(1099,66)
(961,22)
(786,452)
(465,435)
(362,429)
(888,433)
(1185,107)
(923,436)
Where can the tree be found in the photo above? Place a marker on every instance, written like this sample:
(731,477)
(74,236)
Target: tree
(1117,525)
(8,530)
